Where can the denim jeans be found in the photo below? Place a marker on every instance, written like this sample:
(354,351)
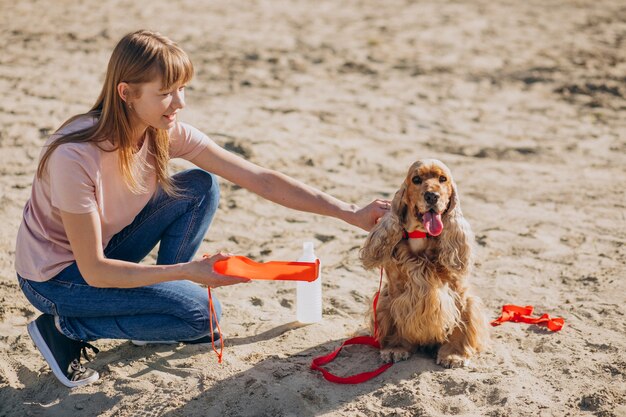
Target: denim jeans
(173,310)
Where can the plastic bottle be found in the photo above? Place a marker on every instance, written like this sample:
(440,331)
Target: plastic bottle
(309,294)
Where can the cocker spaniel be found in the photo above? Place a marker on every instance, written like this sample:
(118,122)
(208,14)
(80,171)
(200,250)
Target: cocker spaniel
(426,301)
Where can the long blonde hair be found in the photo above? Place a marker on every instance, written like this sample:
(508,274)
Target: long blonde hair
(139,57)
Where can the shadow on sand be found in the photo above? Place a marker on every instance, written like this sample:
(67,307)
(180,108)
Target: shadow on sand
(284,384)
(277,385)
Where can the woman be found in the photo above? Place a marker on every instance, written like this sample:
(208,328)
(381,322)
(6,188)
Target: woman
(102,199)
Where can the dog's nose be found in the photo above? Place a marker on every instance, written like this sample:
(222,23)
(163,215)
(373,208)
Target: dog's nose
(431,198)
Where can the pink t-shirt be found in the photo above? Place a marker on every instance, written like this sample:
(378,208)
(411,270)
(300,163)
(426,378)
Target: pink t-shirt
(81,178)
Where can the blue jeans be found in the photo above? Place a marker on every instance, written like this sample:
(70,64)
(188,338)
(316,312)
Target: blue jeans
(173,310)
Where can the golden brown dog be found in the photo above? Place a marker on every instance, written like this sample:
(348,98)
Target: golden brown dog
(426,301)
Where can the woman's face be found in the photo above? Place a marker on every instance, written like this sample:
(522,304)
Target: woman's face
(154,107)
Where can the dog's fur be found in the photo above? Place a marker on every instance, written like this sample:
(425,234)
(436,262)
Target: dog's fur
(426,301)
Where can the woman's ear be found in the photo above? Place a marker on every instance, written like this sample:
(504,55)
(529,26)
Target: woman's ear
(123,90)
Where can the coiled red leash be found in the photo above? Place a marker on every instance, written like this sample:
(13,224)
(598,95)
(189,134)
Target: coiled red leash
(372,341)
(518,314)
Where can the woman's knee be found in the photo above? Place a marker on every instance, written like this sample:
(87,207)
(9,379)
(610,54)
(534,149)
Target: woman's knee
(201,184)
(202,320)
(203,325)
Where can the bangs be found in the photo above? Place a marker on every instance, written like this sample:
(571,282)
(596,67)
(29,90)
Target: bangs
(174,66)
(144,56)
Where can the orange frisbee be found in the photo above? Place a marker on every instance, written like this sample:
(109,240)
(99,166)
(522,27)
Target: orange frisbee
(275,270)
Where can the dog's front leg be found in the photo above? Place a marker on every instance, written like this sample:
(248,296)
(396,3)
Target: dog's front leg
(453,353)
(393,348)
(466,339)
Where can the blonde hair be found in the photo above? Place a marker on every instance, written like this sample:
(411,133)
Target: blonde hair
(139,57)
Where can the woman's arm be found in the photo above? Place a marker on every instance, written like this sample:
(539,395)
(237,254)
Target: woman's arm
(85,237)
(286,191)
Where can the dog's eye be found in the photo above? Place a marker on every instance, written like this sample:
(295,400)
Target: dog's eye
(416,180)
(442,178)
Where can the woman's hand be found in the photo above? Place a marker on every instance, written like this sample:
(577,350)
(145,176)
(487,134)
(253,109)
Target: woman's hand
(366,217)
(202,272)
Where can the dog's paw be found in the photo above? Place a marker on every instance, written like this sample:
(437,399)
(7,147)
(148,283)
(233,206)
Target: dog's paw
(452,361)
(394,355)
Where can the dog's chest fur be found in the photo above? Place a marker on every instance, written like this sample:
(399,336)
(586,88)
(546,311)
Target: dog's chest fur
(425,248)
(417,245)
(424,307)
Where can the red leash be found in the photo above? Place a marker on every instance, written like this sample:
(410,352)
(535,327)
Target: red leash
(213,316)
(518,314)
(372,341)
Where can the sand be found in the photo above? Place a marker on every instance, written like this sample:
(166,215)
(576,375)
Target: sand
(524,100)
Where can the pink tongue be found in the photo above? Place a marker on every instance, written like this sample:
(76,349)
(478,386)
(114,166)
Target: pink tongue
(432,223)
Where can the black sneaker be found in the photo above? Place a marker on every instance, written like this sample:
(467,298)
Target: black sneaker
(62,353)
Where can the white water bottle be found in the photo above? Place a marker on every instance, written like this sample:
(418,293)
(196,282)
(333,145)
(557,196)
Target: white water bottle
(309,294)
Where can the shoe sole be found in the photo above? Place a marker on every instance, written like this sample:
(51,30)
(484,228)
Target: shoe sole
(41,345)
(171,342)
(152,342)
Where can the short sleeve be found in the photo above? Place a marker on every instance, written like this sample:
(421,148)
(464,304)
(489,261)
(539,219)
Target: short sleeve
(72,188)
(186,141)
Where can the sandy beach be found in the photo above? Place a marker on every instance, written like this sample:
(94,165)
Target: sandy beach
(524,101)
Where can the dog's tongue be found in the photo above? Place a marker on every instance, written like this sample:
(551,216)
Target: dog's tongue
(433,223)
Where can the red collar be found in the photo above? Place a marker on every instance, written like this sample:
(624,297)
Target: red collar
(414,235)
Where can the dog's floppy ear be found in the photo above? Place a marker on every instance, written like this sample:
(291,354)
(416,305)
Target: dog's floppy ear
(454,206)
(398,204)
(386,234)
(455,242)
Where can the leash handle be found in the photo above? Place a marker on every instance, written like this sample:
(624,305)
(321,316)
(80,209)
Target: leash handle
(372,341)
(352,379)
